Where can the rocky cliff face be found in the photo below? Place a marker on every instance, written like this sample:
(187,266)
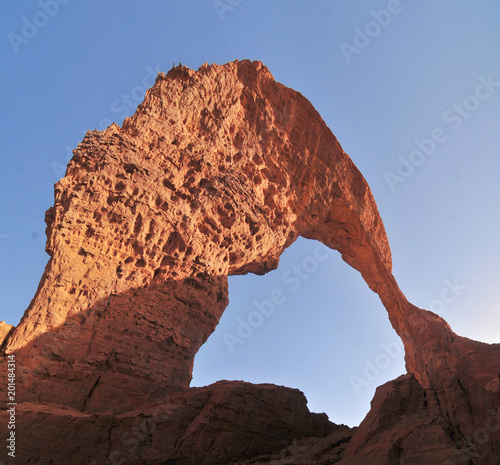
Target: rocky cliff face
(217,173)
(5,330)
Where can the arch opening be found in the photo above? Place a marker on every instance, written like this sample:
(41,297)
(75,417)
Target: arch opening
(311,324)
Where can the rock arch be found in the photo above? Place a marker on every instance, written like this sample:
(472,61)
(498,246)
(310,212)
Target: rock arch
(216,173)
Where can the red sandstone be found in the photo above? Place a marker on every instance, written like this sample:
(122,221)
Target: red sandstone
(217,173)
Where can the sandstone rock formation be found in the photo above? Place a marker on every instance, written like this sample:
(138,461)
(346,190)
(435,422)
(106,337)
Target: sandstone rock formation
(220,423)
(5,329)
(217,173)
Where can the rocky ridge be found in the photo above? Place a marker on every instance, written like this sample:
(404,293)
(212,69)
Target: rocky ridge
(216,173)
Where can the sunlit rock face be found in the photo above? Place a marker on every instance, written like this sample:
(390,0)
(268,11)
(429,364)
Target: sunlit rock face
(216,173)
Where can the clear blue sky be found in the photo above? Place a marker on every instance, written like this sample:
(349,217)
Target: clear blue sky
(383,82)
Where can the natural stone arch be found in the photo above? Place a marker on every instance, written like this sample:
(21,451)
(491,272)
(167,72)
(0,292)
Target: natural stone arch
(216,173)
(312,324)
(228,181)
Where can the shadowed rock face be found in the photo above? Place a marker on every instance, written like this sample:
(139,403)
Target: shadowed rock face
(217,173)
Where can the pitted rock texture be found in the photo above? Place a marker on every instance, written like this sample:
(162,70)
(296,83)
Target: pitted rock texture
(216,173)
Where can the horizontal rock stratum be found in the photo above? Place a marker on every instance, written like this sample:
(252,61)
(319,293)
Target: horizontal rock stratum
(216,173)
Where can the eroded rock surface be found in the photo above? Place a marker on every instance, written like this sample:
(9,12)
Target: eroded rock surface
(221,423)
(217,173)
(5,330)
